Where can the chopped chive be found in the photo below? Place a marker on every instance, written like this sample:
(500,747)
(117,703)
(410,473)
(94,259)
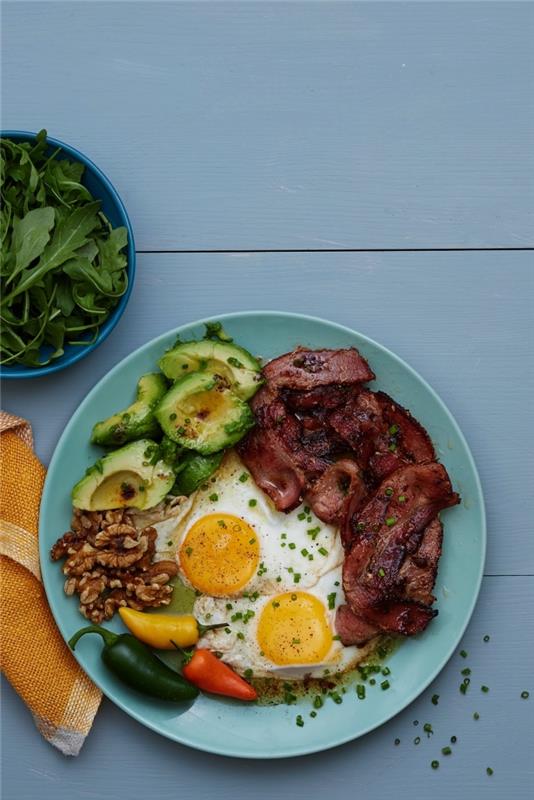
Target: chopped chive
(466,671)
(392,447)
(299,721)
(252,502)
(252,541)
(332,600)
(384,685)
(463,653)
(323,551)
(453,739)
(372,681)
(386,671)
(296,577)
(489,771)
(525,695)
(313,532)
(318,701)
(336,697)
(427,727)
(283,535)
(229,606)
(393,429)
(292,545)
(484,689)
(240,635)
(243,477)
(381,572)
(434,764)
(476,715)
(313,714)
(435,699)
(304,552)
(214,497)
(402,498)
(360,691)
(248,674)
(388,492)
(302,515)
(486,638)
(446,751)
(390,521)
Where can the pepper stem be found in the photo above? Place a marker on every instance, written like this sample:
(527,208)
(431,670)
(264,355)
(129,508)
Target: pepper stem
(187,654)
(203,628)
(108,636)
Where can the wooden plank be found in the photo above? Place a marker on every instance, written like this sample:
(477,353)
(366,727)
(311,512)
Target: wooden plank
(463,320)
(123,759)
(243,125)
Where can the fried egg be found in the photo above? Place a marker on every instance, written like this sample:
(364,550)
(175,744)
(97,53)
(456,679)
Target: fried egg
(286,635)
(232,541)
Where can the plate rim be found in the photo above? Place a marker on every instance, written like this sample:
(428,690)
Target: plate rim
(304,749)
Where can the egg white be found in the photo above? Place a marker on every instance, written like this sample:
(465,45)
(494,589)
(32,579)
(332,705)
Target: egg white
(238,641)
(296,549)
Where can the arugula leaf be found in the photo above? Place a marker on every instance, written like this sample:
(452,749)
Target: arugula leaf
(70,233)
(30,237)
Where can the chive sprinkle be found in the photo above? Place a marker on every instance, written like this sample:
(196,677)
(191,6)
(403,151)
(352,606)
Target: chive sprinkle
(427,727)
(214,497)
(360,691)
(252,503)
(446,751)
(299,721)
(313,714)
(323,551)
(484,689)
(453,739)
(435,699)
(489,771)
(388,492)
(434,764)
(390,521)
(476,715)
(384,685)
(463,653)
(466,671)
(525,695)
(486,638)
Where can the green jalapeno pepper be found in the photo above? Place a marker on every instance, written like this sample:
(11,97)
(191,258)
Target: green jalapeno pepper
(136,665)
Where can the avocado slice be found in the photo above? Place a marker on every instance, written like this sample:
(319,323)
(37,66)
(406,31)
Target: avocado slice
(137,421)
(201,413)
(234,363)
(194,470)
(133,476)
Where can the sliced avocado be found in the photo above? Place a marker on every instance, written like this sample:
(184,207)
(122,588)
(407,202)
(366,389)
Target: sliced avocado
(136,421)
(236,365)
(194,470)
(201,413)
(134,476)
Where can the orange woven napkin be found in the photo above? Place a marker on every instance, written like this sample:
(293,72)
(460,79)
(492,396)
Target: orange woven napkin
(35,659)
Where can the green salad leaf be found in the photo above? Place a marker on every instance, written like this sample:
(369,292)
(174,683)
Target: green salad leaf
(63,267)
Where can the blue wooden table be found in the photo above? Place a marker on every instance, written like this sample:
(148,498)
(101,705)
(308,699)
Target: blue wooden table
(370,163)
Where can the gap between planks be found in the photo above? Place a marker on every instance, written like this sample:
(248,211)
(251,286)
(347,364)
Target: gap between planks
(350,250)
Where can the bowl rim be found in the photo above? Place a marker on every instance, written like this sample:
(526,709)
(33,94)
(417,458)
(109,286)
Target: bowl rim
(19,371)
(227,749)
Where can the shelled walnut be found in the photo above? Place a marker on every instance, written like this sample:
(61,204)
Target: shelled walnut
(110,563)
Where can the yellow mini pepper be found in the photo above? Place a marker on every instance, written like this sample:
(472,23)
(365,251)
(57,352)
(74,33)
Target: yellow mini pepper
(161,630)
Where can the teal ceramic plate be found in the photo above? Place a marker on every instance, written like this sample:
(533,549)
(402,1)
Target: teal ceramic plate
(227,727)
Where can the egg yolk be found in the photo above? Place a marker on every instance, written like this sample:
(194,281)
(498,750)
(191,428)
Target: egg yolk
(220,554)
(293,629)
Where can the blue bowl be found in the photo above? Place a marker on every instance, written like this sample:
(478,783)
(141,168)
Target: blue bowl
(112,206)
